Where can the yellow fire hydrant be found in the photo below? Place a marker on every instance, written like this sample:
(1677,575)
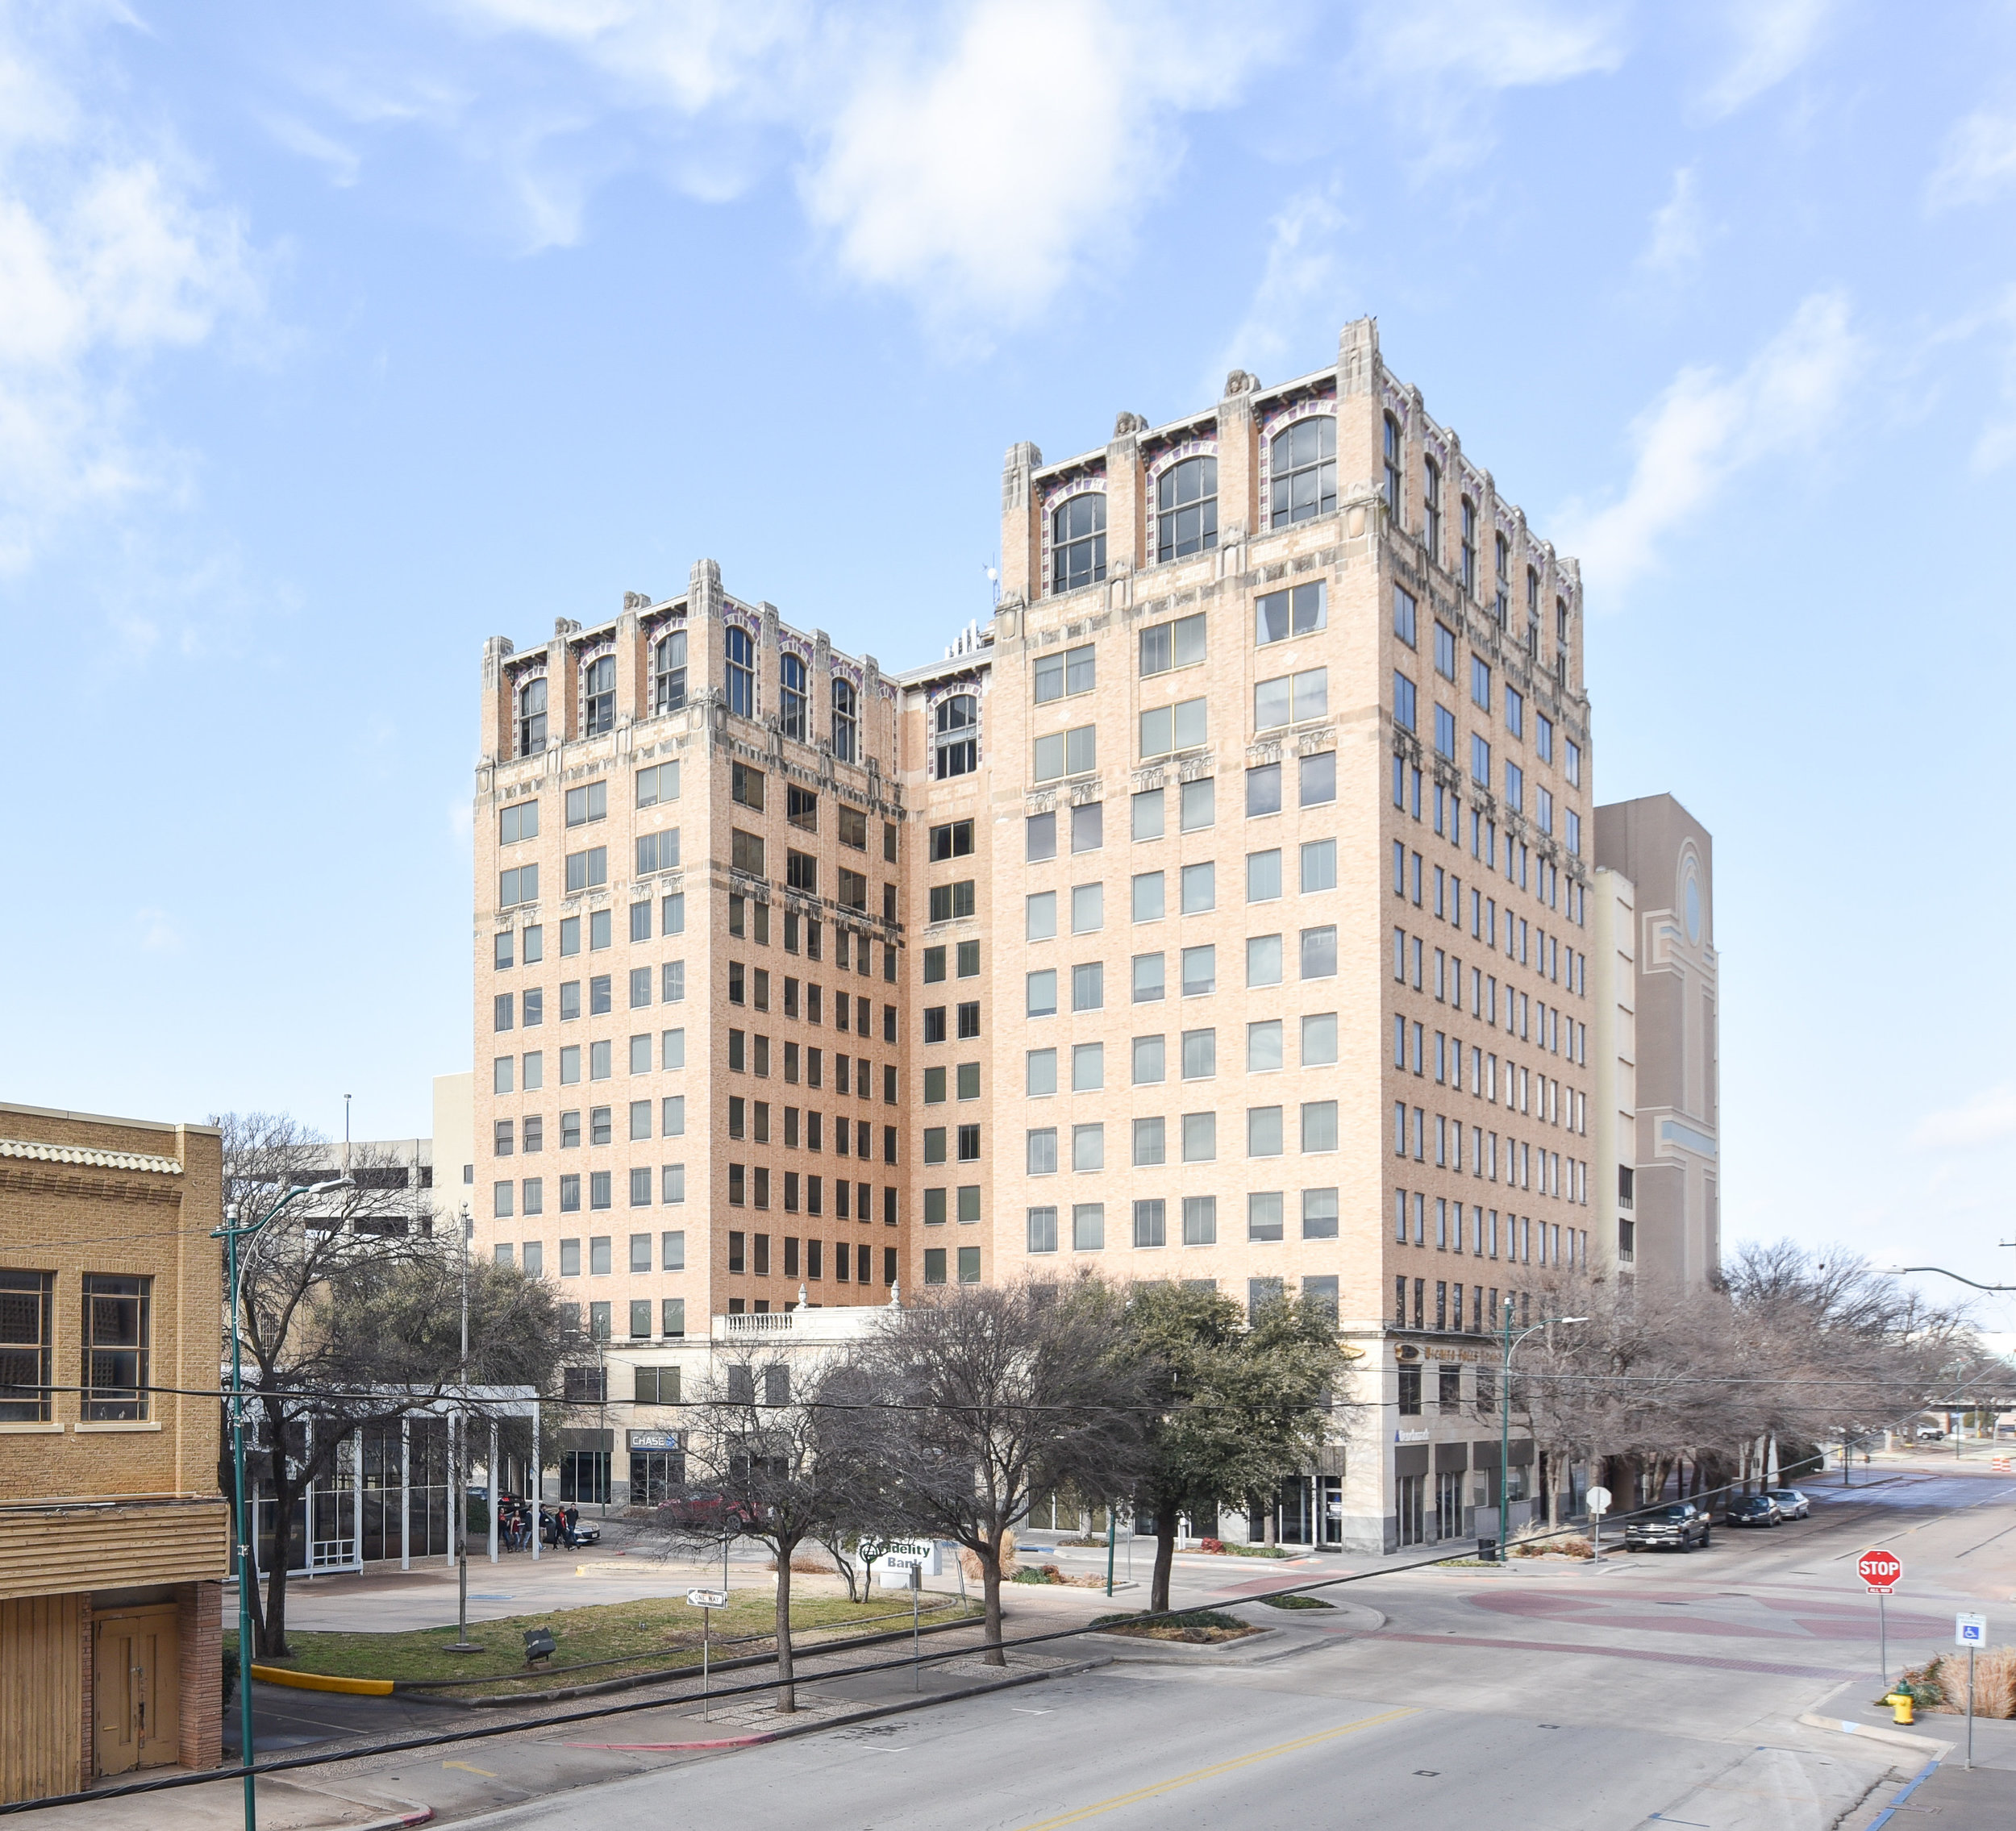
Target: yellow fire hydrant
(1899,1703)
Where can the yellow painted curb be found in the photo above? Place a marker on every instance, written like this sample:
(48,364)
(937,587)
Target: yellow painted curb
(321,1682)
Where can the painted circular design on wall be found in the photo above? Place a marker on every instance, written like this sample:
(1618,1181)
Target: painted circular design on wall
(1691,895)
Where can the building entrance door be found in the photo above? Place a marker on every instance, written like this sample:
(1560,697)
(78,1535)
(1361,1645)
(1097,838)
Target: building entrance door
(1448,1506)
(137,1684)
(1409,1508)
(1330,1501)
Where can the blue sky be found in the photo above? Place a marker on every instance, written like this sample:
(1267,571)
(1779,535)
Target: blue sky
(333,340)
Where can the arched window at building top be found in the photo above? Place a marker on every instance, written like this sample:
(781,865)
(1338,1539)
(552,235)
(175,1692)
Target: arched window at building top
(598,695)
(847,733)
(1303,470)
(791,696)
(958,744)
(1186,509)
(668,672)
(741,673)
(1078,543)
(531,717)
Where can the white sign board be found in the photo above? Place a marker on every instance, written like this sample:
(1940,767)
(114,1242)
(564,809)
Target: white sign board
(1970,1630)
(708,1598)
(903,1555)
(1599,1500)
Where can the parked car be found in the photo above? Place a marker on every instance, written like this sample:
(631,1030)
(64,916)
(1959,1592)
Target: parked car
(1792,1504)
(1678,1528)
(1931,1433)
(1753,1510)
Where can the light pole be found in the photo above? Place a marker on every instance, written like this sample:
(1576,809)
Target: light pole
(1505,1416)
(459,1494)
(231,1233)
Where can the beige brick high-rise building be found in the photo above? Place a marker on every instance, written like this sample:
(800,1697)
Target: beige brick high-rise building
(1219,912)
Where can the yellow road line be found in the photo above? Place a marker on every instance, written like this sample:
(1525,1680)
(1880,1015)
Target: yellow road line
(1232,1765)
(465,1767)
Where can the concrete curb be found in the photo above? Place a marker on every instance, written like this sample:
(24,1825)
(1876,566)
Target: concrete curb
(1876,1733)
(419,1815)
(921,1701)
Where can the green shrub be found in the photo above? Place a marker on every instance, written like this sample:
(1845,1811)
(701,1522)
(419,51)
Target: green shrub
(1297,1602)
(231,1671)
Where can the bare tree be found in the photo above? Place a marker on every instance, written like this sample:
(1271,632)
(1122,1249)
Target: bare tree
(994,1394)
(348,1318)
(779,1455)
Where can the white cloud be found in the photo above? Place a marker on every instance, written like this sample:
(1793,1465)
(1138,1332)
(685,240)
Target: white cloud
(1301,285)
(980,156)
(1979,160)
(341,164)
(1680,231)
(1987,1118)
(1707,427)
(107,260)
(1772,38)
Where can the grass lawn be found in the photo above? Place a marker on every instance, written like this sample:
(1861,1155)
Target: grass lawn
(642,1636)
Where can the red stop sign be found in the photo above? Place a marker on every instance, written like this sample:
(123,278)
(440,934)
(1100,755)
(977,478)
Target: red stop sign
(1879,1570)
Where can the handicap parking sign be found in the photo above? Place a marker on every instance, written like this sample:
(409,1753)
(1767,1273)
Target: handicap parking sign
(1970,1630)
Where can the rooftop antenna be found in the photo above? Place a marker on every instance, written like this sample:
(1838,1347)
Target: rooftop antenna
(346,1134)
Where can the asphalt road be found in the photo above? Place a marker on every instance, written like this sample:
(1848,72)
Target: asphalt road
(1656,1690)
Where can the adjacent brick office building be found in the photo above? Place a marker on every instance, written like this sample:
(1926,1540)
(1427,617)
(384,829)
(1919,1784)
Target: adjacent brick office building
(114,1539)
(1218,912)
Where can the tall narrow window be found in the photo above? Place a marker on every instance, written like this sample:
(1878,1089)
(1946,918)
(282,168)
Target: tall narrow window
(1502,550)
(1078,543)
(1469,566)
(741,657)
(958,749)
(25,1300)
(532,717)
(1431,507)
(791,696)
(668,672)
(1393,472)
(598,695)
(1303,470)
(1186,509)
(115,1345)
(846,721)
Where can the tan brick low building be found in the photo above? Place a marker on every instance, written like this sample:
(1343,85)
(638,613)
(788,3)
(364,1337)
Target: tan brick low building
(115,1541)
(1220,909)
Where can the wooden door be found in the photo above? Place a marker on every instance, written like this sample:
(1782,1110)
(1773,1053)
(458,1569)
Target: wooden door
(41,1696)
(137,1688)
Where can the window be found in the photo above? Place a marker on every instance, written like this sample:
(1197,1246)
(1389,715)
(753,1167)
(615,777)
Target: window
(1319,1039)
(1319,865)
(1147,821)
(1040,916)
(1392,477)
(1166,728)
(1479,762)
(1166,645)
(1199,1055)
(1543,737)
(958,744)
(950,902)
(1516,712)
(1263,875)
(1403,706)
(1186,509)
(1479,683)
(1403,615)
(1264,959)
(1148,897)
(26,1301)
(1040,1146)
(1515,787)
(532,717)
(853,895)
(1088,986)
(1291,698)
(1200,972)
(1545,809)
(745,853)
(1039,1073)
(1319,1125)
(116,1331)
(955,840)
(1199,889)
(1573,766)
(1039,838)
(1263,1207)
(1431,507)
(590,802)
(518,886)
(1574,832)
(791,695)
(1200,1219)
(1199,1138)
(1088,908)
(1263,1139)
(1088,826)
(1292,612)
(1042,1230)
(1467,564)
(657,851)
(1078,541)
(1303,470)
(1069,671)
(598,695)
(740,650)
(1150,1142)
(846,721)
(520,821)
(1088,1148)
(1089,1227)
(1149,1063)
(1445,734)
(1263,790)
(1042,993)
(1263,1046)
(668,672)
(587,869)
(1075,752)
(1319,953)
(1150,1223)
(1149,981)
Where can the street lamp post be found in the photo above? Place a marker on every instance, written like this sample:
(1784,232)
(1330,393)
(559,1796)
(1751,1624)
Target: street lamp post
(1505,1416)
(231,1233)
